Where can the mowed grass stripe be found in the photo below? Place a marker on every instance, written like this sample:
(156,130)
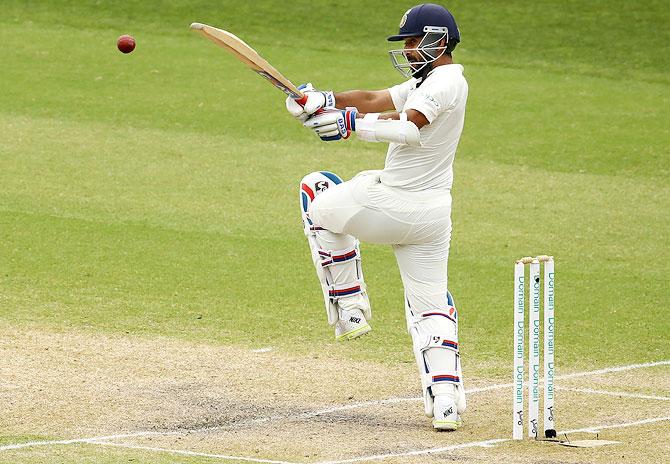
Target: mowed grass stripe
(616,38)
(187,180)
(234,188)
(550,118)
(143,257)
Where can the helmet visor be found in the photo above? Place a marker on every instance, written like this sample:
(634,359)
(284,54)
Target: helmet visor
(410,61)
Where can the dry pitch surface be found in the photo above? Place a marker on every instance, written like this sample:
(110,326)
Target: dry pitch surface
(175,400)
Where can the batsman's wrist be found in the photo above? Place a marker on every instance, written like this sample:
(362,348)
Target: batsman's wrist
(329,99)
(350,115)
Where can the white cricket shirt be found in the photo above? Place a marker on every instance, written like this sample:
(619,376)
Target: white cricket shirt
(441,99)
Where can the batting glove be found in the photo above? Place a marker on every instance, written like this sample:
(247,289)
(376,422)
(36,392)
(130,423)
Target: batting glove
(333,124)
(315,101)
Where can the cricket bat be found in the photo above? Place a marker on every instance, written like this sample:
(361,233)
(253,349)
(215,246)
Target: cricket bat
(247,55)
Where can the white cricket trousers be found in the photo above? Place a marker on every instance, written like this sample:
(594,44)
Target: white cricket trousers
(416,224)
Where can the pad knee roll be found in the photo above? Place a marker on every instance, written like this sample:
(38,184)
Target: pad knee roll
(311,186)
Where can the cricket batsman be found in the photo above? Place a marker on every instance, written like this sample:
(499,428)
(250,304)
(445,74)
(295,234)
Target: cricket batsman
(406,205)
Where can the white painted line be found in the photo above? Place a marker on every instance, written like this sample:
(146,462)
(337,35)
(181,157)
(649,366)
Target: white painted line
(609,370)
(267,349)
(308,415)
(362,404)
(488,443)
(196,453)
(614,393)
(598,428)
(498,386)
(8,386)
(378,457)
(39,443)
(302,416)
(28,444)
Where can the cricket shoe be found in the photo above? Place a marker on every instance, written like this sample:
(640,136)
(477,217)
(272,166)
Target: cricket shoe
(445,415)
(352,324)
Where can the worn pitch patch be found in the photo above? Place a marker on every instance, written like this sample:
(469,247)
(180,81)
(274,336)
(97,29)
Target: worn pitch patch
(589,443)
(157,393)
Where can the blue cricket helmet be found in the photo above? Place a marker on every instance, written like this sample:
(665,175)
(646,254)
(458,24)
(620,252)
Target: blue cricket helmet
(415,21)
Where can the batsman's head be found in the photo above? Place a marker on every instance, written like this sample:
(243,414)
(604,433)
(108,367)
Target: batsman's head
(429,31)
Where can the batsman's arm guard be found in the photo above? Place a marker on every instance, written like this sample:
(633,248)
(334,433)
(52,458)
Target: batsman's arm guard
(402,131)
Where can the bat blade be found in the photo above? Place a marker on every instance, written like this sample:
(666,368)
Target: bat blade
(247,55)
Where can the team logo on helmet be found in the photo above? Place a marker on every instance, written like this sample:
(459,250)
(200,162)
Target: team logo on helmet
(403,20)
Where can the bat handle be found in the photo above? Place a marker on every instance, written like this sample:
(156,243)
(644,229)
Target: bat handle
(302,100)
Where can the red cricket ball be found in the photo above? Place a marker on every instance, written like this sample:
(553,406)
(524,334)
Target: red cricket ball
(125,43)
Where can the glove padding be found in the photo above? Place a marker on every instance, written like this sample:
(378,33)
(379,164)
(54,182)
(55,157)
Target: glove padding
(316,100)
(333,124)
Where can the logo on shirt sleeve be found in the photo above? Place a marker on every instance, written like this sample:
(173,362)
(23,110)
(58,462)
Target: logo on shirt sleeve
(427,98)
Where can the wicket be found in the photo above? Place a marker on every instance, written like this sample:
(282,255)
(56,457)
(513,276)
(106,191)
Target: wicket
(534,346)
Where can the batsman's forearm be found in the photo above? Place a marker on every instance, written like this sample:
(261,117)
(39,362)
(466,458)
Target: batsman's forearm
(357,98)
(367,101)
(393,115)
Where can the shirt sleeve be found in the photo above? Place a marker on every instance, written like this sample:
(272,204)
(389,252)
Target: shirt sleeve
(432,98)
(400,92)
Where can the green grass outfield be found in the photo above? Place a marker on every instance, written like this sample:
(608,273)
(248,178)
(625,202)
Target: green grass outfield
(156,193)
